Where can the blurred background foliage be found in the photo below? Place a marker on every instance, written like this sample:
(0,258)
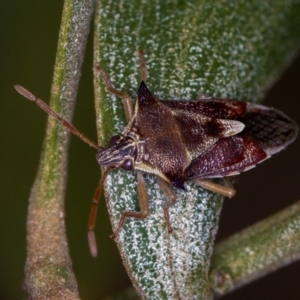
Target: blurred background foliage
(29,32)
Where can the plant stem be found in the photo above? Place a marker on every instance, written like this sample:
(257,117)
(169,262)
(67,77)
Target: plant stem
(48,268)
(257,250)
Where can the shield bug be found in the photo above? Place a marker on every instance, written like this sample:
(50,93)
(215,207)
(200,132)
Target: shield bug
(179,141)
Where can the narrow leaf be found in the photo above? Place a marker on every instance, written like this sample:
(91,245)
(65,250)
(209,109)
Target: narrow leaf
(227,50)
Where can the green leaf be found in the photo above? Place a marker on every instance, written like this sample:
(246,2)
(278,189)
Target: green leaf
(259,249)
(224,49)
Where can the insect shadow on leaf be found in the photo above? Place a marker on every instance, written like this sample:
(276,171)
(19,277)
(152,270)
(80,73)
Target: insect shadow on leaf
(181,141)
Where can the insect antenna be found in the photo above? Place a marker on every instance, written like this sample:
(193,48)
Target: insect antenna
(51,112)
(74,130)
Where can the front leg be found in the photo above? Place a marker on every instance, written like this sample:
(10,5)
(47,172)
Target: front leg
(143,201)
(127,102)
(171,199)
(128,108)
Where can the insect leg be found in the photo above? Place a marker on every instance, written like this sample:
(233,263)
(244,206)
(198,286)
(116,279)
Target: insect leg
(168,191)
(144,72)
(216,188)
(127,102)
(171,199)
(93,214)
(203,97)
(144,205)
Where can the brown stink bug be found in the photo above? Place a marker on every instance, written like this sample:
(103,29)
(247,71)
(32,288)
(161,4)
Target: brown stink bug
(181,141)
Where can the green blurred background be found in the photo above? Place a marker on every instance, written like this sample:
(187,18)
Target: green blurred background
(29,32)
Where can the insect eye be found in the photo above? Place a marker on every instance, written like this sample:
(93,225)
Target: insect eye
(127,165)
(114,139)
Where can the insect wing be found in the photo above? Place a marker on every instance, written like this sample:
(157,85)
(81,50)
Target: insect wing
(229,156)
(271,129)
(212,108)
(267,131)
(203,122)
